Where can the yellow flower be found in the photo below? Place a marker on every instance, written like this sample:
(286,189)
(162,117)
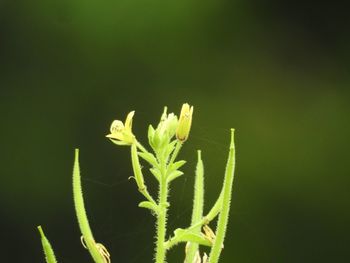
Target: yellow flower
(185,121)
(121,133)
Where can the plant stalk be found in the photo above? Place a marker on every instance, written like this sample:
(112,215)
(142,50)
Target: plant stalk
(161,220)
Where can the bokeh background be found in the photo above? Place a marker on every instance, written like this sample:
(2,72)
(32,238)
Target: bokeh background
(277,71)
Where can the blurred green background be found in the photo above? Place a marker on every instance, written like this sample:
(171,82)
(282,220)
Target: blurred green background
(277,71)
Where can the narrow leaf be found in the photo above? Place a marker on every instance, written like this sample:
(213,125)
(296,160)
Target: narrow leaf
(173,175)
(185,235)
(149,205)
(176,165)
(150,135)
(149,158)
(170,147)
(157,174)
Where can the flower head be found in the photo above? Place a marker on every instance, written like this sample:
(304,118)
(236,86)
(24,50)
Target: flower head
(121,134)
(185,121)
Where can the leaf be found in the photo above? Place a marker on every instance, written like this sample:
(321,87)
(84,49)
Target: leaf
(151,135)
(176,165)
(157,174)
(170,147)
(149,205)
(173,175)
(156,141)
(184,235)
(149,158)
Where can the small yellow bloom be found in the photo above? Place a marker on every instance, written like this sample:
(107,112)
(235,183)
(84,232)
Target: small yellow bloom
(185,121)
(121,133)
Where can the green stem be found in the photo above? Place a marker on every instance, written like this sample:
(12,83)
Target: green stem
(224,214)
(139,145)
(176,152)
(161,220)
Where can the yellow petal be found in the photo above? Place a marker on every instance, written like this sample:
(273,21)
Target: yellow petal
(116,126)
(128,121)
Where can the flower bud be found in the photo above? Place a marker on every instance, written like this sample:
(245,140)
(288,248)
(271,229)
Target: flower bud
(185,121)
(165,130)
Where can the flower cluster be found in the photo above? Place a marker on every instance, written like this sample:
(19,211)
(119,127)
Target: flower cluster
(169,126)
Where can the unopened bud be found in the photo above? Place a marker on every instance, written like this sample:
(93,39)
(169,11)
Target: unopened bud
(185,121)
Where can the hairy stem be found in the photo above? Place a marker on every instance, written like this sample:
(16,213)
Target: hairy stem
(161,220)
(176,152)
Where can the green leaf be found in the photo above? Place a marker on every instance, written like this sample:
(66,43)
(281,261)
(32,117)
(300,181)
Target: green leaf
(177,165)
(149,158)
(156,141)
(173,175)
(149,205)
(185,235)
(170,147)
(48,251)
(151,135)
(157,174)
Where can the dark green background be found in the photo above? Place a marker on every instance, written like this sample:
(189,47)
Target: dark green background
(277,71)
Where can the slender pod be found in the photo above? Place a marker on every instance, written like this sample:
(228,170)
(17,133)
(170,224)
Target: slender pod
(48,251)
(226,201)
(98,252)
